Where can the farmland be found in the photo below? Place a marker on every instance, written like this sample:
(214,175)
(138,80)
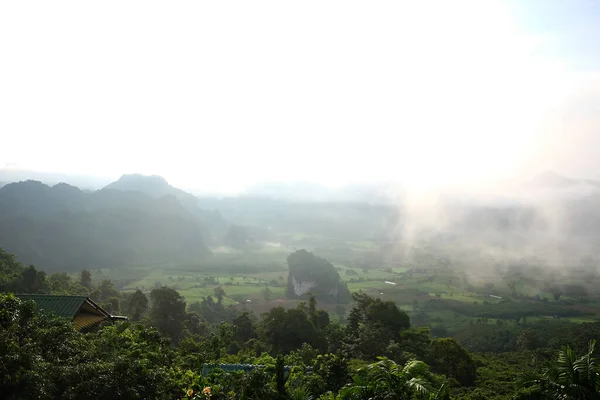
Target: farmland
(435,293)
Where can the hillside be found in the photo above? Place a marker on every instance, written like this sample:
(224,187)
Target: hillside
(214,225)
(152,185)
(63,228)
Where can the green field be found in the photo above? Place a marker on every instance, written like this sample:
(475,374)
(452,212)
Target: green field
(434,295)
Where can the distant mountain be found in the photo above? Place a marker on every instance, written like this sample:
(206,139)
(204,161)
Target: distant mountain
(63,228)
(81,181)
(152,185)
(155,186)
(552,179)
(38,199)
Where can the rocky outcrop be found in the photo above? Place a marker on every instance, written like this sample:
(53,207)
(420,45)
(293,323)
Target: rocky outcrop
(315,275)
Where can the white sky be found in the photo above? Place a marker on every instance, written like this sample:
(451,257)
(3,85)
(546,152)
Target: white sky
(219,95)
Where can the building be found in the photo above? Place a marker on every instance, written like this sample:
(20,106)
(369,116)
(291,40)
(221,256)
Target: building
(81,310)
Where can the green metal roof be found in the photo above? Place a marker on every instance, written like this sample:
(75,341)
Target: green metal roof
(63,306)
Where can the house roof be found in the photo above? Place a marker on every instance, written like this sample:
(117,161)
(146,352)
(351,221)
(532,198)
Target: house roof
(81,310)
(63,306)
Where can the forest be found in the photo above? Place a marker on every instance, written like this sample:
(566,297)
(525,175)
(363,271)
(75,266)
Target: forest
(299,353)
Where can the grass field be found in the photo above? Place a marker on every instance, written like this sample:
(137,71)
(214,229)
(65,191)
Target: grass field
(244,275)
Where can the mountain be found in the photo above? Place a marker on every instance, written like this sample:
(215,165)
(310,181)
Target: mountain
(155,186)
(8,175)
(63,228)
(552,179)
(152,185)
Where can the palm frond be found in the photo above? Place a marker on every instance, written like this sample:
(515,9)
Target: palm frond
(441,394)
(419,386)
(328,396)
(415,368)
(300,393)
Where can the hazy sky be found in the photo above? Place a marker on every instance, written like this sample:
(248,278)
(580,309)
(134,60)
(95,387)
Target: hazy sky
(222,94)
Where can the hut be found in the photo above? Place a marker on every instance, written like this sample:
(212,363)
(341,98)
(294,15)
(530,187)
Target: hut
(83,312)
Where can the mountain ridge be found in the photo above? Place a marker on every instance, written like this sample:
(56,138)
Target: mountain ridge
(63,228)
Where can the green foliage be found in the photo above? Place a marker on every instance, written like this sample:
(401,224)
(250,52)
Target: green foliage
(17,278)
(387,380)
(569,377)
(374,323)
(43,357)
(280,377)
(211,311)
(328,359)
(107,290)
(167,312)
(219,294)
(138,305)
(334,370)
(86,278)
(245,327)
(451,359)
(267,293)
(285,330)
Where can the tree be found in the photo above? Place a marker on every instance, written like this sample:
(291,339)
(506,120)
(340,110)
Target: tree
(528,339)
(219,294)
(107,290)
(334,370)
(354,319)
(245,327)
(60,283)
(33,281)
(286,330)
(29,347)
(387,314)
(557,295)
(112,305)
(266,292)
(280,378)
(387,380)
(377,311)
(78,289)
(167,312)
(138,305)
(570,377)
(86,278)
(373,324)
(340,310)
(451,359)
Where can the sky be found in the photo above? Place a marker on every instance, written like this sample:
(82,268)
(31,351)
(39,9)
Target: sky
(221,95)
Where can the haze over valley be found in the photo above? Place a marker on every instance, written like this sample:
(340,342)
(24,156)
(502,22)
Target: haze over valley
(340,200)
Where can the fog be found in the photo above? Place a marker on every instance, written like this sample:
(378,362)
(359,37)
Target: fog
(437,119)
(218,101)
(548,224)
